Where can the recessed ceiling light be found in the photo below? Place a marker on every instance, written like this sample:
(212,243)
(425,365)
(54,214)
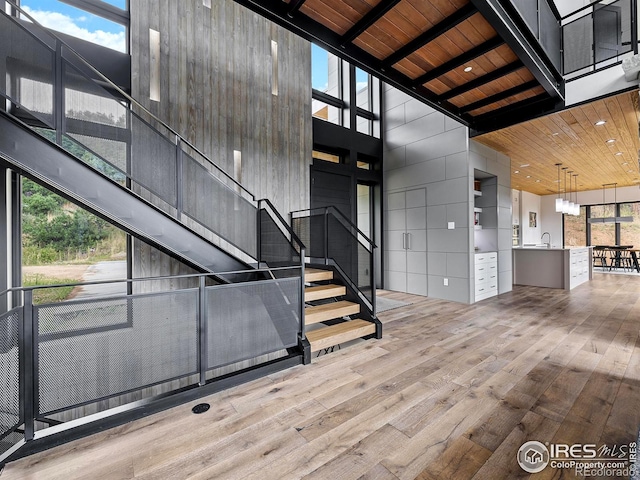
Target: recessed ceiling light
(555,133)
(600,122)
(516,171)
(537,181)
(468,69)
(625,163)
(618,153)
(528,176)
(611,140)
(556,181)
(524,166)
(629,171)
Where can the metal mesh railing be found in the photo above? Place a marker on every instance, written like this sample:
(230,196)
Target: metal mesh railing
(252,319)
(602,33)
(9,379)
(87,351)
(543,23)
(151,338)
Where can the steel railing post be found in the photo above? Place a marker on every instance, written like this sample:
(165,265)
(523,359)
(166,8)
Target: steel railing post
(326,236)
(28,367)
(179,175)
(203,331)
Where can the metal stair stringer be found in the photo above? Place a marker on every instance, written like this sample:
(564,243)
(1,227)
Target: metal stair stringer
(48,164)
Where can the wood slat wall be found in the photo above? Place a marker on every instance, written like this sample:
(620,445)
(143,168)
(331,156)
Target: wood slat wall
(216,90)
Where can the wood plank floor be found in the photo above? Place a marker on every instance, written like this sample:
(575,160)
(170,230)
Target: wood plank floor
(451,392)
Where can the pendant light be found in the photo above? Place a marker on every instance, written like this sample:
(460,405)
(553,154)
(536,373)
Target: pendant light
(558,199)
(569,205)
(576,206)
(565,202)
(615,203)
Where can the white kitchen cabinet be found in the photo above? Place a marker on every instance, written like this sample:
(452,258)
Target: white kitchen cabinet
(486,275)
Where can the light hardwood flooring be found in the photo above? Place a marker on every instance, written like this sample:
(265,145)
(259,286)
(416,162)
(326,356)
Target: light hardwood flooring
(451,392)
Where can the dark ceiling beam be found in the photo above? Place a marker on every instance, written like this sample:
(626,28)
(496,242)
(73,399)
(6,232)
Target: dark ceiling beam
(483,80)
(434,32)
(534,59)
(466,57)
(515,113)
(500,96)
(375,14)
(294,6)
(314,32)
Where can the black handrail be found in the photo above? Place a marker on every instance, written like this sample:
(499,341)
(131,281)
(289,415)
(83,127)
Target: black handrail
(289,230)
(343,217)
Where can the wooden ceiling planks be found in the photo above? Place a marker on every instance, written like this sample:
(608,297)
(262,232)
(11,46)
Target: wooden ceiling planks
(572,138)
(508,81)
(408,20)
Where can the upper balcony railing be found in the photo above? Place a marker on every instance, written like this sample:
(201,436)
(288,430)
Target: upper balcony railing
(543,20)
(598,35)
(587,40)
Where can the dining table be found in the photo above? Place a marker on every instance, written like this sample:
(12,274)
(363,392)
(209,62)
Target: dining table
(616,255)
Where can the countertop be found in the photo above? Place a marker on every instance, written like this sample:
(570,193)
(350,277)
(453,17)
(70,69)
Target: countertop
(552,248)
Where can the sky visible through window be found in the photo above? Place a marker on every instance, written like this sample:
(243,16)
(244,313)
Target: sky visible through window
(64,18)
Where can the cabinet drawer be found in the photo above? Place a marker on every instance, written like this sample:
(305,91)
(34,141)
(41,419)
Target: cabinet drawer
(486,257)
(487,287)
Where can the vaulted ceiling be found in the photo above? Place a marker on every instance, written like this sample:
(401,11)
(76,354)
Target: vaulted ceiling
(463,57)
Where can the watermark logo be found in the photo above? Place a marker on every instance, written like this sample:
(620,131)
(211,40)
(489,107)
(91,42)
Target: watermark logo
(586,460)
(533,457)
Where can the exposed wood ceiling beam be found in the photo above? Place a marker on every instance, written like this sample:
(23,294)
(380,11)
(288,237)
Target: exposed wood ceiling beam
(500,96)
(375,14)
(294,6)
(466,57)
(434,32)
(483,80)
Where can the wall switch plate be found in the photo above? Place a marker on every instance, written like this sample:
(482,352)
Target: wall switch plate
(451,225)
(446,282)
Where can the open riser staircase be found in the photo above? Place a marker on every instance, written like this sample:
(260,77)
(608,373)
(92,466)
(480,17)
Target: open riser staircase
(329,318)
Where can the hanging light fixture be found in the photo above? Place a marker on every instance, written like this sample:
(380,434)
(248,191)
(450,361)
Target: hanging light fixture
(576,205)
(565,202)
(615,203)
(569,205)
(558,199)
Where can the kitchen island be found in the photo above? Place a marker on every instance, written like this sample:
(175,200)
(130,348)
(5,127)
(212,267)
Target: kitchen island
(552,267)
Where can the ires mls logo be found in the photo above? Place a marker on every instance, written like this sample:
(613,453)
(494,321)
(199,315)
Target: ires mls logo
(586,459)
(533,457)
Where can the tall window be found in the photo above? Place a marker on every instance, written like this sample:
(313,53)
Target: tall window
(630,232)
(575,229)
(603,233)
(344,95)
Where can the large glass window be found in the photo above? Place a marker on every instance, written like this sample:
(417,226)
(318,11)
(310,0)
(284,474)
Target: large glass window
(63,243)
(603,233)
(630,231)
(64,18)
(575,229)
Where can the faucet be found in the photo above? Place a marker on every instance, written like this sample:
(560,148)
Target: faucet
(547,244)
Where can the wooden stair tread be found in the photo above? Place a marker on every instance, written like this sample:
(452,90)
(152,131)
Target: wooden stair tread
(323,291)
(317,275)
(342,332)
(329,311)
